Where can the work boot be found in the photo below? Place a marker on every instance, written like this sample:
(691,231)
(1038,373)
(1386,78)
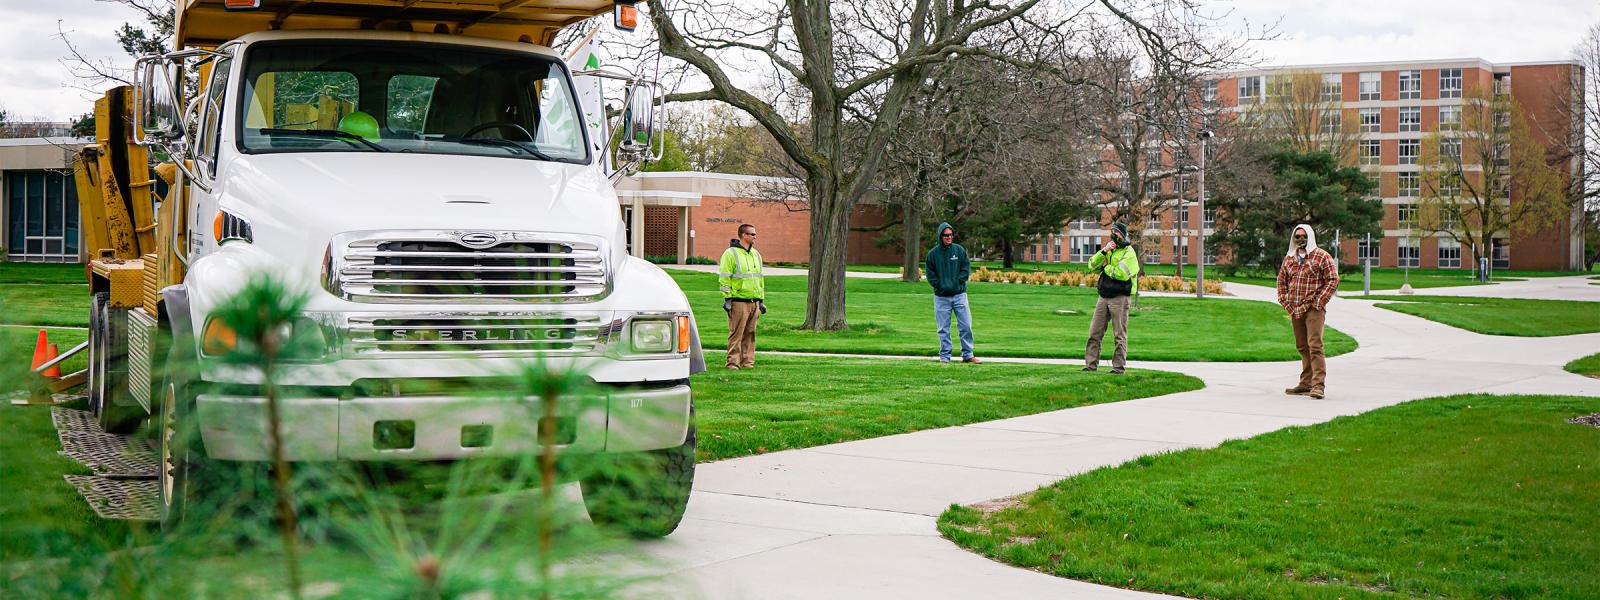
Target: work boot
(1090,369)
(1315,393)
(1116,370)
(972,359)
(733,367)
(1298,390)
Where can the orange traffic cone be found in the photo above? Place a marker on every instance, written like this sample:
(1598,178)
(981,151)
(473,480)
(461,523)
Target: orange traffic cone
(54,370)
(41,348)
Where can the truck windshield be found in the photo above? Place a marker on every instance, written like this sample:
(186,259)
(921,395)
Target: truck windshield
(340,96)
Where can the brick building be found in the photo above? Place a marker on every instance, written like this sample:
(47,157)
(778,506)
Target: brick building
(1397,105)
(695,214)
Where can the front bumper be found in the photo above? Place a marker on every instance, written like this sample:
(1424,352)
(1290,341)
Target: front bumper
(441,427)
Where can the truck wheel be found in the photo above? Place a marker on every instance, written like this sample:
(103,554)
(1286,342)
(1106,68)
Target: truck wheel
(177,441)
(643,494)
(110,365)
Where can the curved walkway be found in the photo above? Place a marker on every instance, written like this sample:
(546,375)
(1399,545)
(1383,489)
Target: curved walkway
(857,519)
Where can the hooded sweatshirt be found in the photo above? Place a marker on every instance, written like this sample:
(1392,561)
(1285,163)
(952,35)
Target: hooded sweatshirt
(1308,281)
(947,265)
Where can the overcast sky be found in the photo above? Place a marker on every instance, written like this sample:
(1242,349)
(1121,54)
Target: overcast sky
(34,83)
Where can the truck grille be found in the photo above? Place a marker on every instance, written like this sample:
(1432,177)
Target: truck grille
(500,334)
(436,266)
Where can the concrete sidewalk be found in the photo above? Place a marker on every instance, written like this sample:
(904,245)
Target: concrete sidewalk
(1544,288)
(857,519)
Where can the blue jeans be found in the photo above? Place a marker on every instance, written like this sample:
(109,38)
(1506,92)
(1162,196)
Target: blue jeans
(942,307)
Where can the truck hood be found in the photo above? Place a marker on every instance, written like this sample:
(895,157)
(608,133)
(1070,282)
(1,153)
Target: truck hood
(296,202)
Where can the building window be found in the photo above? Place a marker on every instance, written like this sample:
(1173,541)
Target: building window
(1449,185)
(1084,247)
(1409,253)
(1152,187)
(1406,215)
(1371,152)
(1371,120)
(1249,89)
(1331,122)
(1153,255)
(1410,85)
(1332,87)
(1410,118)
(1155,221)
(1447,221)
(1449,83)
(1183,216)
(1152,157)
(1083,223)
(1371,86)
(1410,184)
(1367,251)
(1500,253)
(1055,244)
(1409,150)
(1449,118)
(1450,149)
(1209,219)
(41,209)
(1449,254)
(1208,92)
(1180,249)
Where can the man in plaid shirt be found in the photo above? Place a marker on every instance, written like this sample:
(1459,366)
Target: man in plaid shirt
(1307,280)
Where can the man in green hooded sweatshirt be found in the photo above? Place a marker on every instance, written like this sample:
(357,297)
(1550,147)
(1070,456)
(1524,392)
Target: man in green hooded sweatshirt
(1117,264)
(947,268)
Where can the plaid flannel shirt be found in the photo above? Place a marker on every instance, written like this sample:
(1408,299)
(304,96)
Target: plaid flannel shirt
(1307,283)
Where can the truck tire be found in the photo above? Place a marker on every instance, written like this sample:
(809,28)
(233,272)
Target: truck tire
(643,494)
(178,443)
(109,369)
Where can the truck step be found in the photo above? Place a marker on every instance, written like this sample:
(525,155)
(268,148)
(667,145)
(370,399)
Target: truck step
(120,499)
(123,485)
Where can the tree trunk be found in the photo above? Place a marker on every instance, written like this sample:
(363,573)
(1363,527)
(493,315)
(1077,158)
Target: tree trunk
(911,258)
(1005,254)
(830,228)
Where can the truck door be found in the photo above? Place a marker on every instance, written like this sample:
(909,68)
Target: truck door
(208,142)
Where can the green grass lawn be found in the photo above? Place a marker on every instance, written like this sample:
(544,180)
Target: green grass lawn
(758,410)
(1588,365)
(892,317)
(1500,316)
(15,272)
(1466,497)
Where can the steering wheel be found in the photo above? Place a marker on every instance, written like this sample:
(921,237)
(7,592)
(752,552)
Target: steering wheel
(498,124)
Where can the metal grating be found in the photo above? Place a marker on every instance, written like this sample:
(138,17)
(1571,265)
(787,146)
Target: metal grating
(121,499)
(74,419)
(110,455)
(472,267)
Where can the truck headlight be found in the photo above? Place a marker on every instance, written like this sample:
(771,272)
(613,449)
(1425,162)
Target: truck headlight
(651,336)
(304,339)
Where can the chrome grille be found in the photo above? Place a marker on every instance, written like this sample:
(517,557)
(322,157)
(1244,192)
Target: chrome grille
(437,266)
(498,334)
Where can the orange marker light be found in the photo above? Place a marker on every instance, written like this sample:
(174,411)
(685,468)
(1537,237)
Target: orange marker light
(683,334)
(627,16)
(216,227)
(218,338)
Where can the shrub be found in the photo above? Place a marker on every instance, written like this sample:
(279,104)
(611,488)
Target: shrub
(1147,283)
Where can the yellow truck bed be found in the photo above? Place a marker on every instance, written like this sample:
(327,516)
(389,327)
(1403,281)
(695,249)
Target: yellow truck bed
(205,23)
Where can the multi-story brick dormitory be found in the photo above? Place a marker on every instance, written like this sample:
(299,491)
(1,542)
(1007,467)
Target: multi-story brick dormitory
(1396,106)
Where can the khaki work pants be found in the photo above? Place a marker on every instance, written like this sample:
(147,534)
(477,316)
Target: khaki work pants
(1308,340)
(742,334)
(1114,310)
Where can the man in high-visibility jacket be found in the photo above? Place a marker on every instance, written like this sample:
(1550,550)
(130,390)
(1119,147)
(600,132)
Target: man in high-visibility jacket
(743,294)
(1118,266)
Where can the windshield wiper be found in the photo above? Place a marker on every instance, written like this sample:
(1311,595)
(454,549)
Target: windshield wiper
(343,136)
(505,143)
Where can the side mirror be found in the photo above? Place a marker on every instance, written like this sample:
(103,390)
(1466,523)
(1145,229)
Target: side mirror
(155,102)
(641,137)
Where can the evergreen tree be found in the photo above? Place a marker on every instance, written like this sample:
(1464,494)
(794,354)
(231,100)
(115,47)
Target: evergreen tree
(1254,222)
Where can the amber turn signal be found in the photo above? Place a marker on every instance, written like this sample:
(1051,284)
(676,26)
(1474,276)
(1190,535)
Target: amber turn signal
(683,334)
(218,338)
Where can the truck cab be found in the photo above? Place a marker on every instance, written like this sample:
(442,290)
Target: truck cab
(444,206)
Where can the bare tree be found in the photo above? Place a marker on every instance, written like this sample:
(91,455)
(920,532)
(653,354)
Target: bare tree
(844,64)
(1581,112)
(1469,170)
(1303,112)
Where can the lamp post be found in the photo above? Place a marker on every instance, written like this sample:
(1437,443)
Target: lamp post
(1200,257)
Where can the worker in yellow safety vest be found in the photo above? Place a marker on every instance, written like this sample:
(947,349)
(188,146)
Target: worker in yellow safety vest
(743,295)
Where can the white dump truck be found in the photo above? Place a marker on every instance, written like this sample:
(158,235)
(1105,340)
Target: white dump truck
(423,173)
